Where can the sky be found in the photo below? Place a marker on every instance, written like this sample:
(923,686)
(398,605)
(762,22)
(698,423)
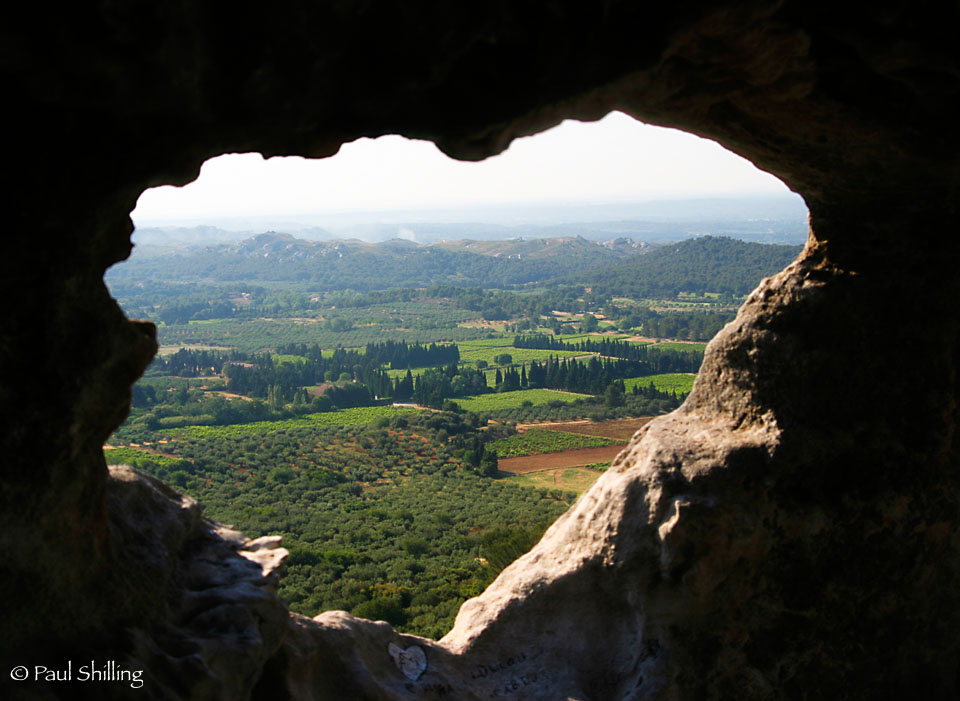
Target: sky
(616,159)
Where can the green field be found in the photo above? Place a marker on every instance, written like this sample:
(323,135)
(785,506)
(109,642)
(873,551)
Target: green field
(500,342)
(403,373)
(679,382)
(567,479)
(357,416)
(513,400)
(293,359)
(680,346)
(537,441)
(519,355)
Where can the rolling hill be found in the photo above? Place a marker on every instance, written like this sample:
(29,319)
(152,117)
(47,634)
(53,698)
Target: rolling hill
(353,264)
(705,264)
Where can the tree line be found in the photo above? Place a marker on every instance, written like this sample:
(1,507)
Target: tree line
(400,355)
(652,361)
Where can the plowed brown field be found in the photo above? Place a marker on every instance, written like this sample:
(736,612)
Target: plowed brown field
(552,461)
(622,429)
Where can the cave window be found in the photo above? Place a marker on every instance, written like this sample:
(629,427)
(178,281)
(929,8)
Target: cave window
(231,424)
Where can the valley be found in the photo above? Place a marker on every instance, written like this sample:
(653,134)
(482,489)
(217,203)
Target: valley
(411,433)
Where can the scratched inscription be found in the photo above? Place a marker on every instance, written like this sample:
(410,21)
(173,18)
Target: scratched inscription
(485,670)
(412,662)
(515,684)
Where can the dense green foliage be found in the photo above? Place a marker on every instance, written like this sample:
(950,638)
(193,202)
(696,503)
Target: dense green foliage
(388,520)
(688,326)
(596,374)
(403,355)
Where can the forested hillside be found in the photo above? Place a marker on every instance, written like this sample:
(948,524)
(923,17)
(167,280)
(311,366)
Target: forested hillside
(696,266)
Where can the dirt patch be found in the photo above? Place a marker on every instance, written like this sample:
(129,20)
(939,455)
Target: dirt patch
(620,429)
(229,395)
(552,461)
(570,479)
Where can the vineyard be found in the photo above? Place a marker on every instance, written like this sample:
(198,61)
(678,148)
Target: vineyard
(357,416)
(536,441)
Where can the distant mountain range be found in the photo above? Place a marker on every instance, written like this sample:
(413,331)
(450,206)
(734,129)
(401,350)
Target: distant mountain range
(620,265)
(353,264)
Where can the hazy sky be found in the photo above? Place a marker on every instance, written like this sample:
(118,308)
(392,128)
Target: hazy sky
(615,159)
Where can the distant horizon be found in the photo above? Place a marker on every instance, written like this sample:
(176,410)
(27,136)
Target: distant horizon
(487,212)
(511,215)
(771,218)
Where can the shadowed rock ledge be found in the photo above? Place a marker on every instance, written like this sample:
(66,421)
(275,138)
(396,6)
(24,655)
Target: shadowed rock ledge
(790,532)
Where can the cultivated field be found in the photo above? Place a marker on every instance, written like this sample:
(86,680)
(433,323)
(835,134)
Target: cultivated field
(618,429)
(357,416)
(553,461)
(255,335)
(681,346)
(517,355)
(679,382)
(512,400)
(537,441)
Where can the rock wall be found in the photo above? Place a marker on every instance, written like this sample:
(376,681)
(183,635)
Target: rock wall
(790,532)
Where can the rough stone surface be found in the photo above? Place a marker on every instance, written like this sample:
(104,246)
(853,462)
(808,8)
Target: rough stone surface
(791,532)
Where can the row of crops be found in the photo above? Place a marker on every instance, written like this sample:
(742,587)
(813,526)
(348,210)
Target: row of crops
(537,441)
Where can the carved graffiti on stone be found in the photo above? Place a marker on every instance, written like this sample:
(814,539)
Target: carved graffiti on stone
(412,661)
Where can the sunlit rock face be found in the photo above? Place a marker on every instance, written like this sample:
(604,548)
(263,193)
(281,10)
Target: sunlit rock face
(791,532)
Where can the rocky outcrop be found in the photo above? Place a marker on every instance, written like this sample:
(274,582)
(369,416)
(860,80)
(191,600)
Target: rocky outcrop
(216,618)
(791,532)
